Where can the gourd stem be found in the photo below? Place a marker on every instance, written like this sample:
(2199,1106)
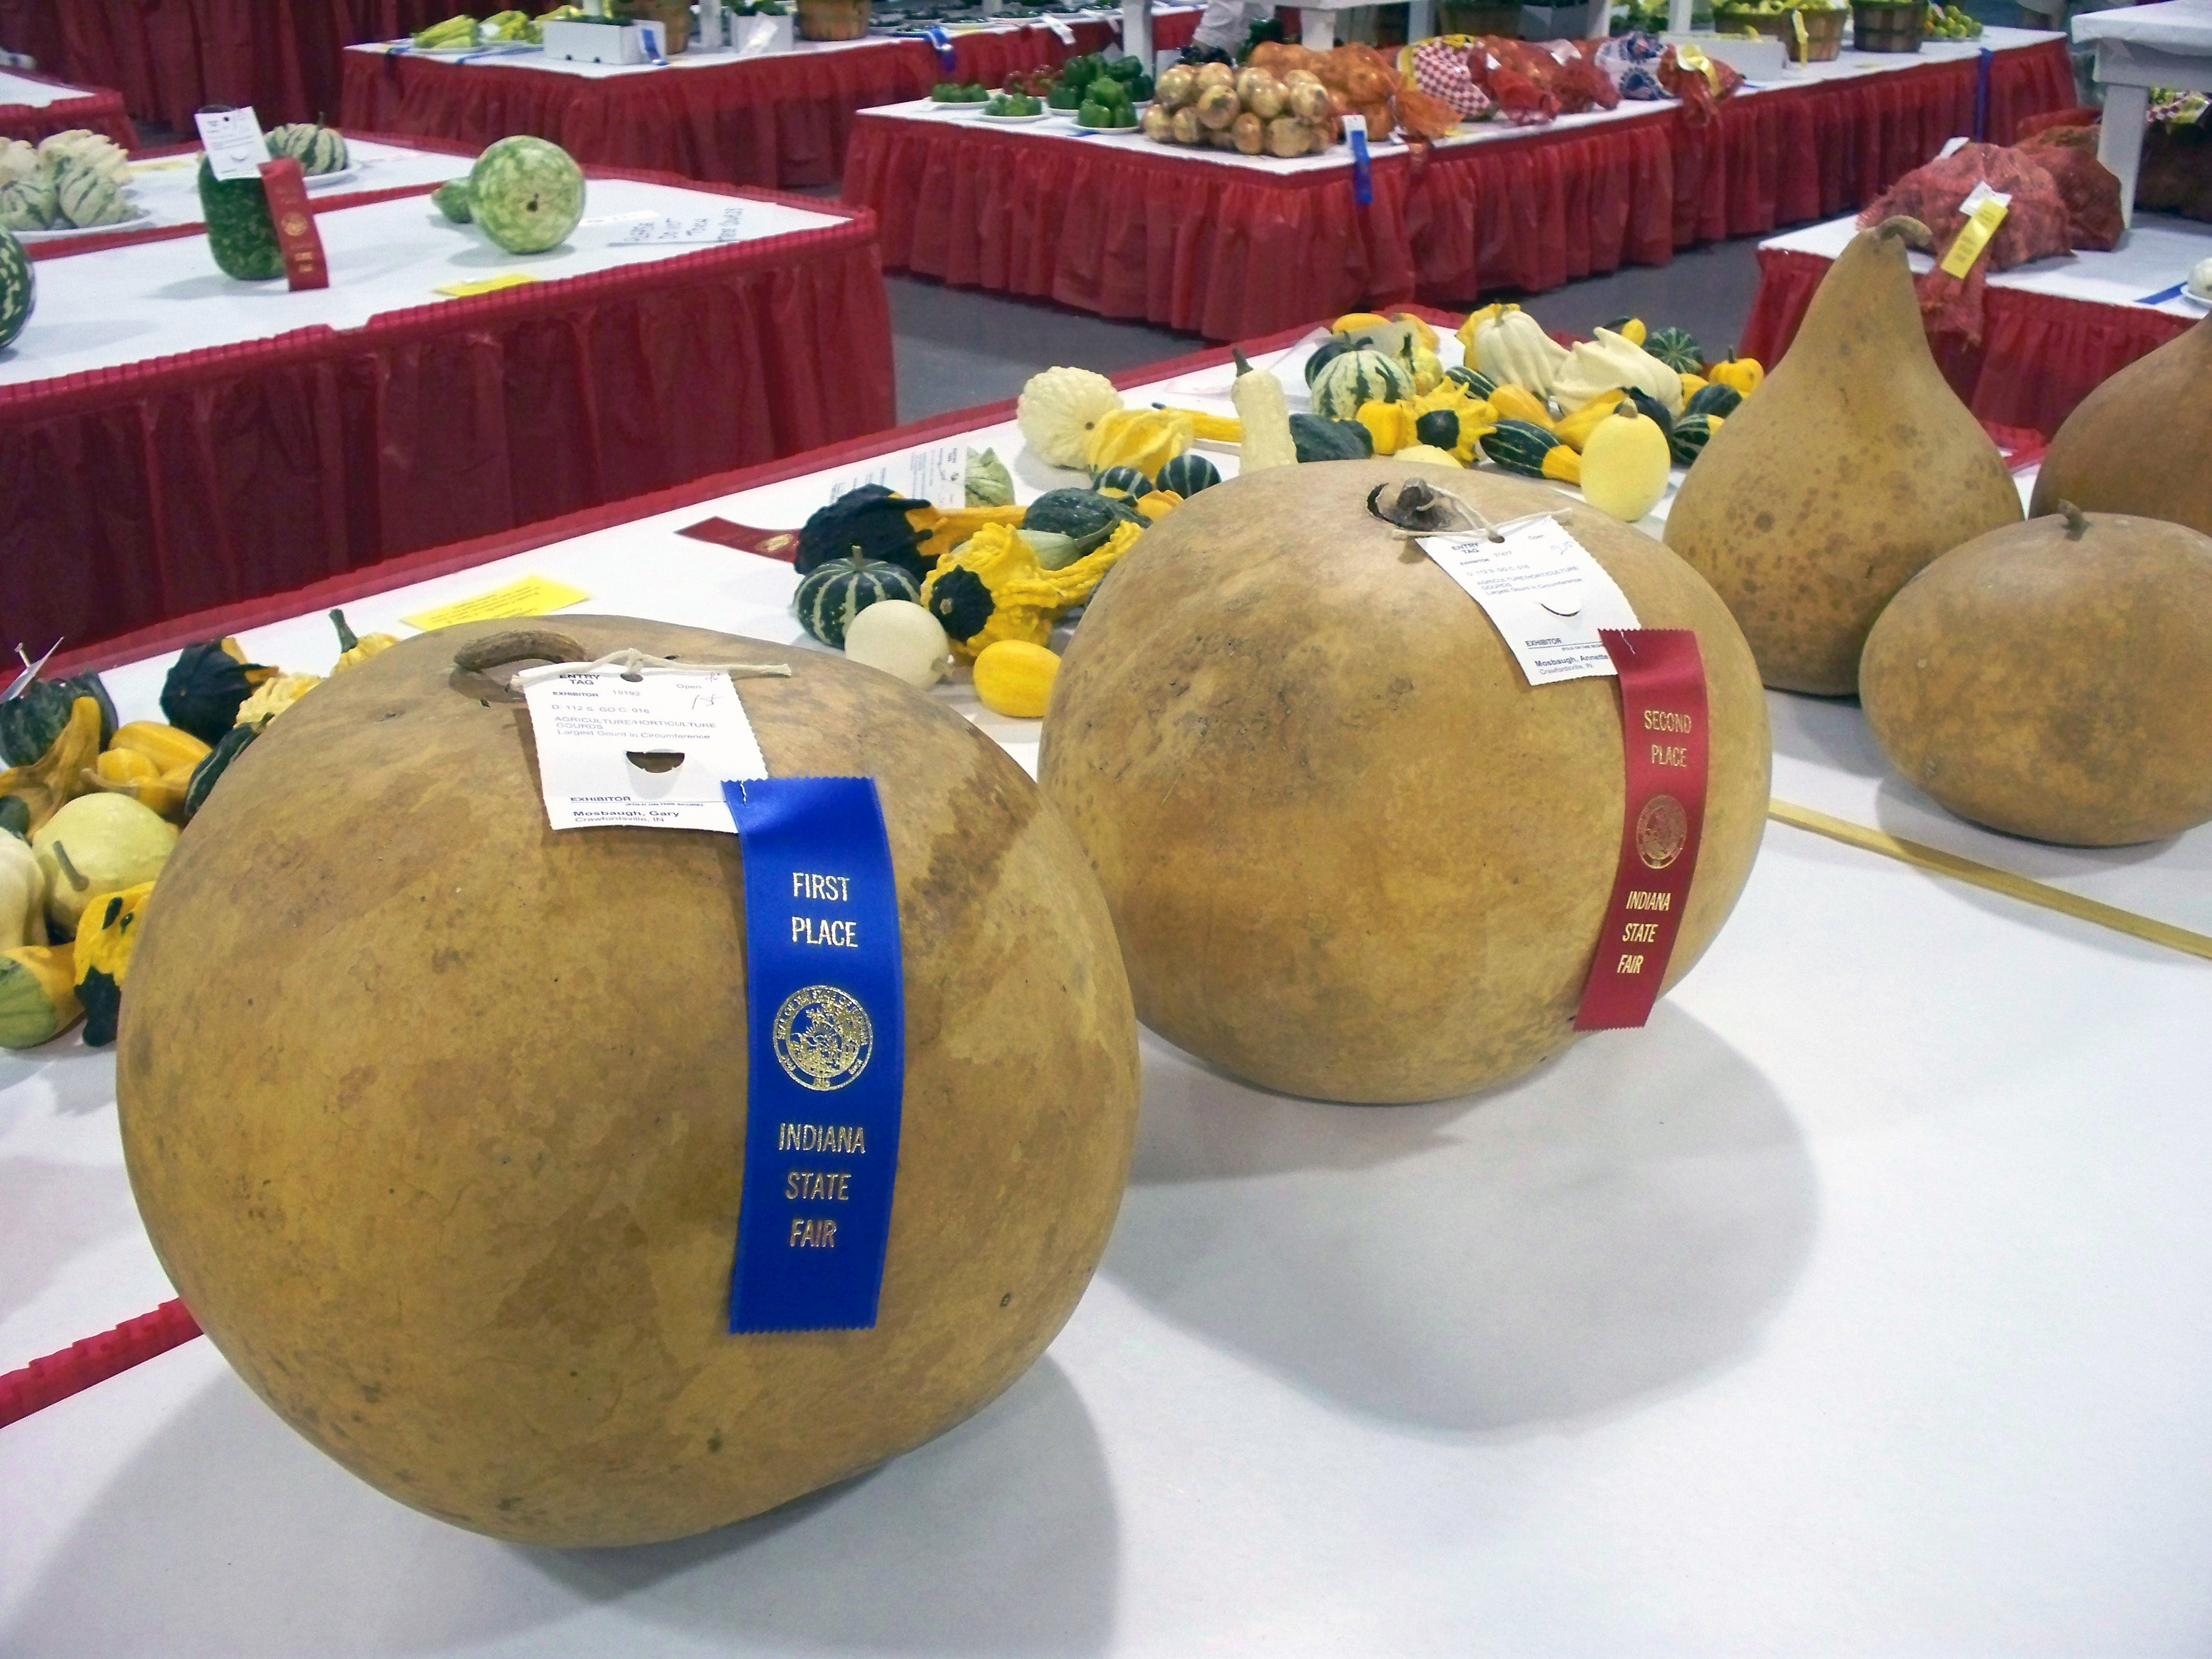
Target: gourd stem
(61,858)
(1244,367)
(347,640)
(2077,521)
(1904,228)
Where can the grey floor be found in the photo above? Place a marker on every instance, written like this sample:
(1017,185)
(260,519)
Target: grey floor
(957,346)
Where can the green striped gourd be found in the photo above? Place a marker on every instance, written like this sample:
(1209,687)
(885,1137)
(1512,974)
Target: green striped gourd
(317,150)
(86,196)
(1129,480)
(1354,378)
(1519,446)
(1476,384)
(1188,474)
(526,193)
(19,287)
(1713,399)
(1677,347)
(1690,436)
(832,595)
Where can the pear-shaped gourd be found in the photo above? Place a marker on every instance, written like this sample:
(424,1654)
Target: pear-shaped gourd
(2052,678)
(2141,442)
(1853,467)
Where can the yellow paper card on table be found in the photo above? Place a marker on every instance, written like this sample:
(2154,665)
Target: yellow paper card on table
(1973,236)
(489,285)
(533,596)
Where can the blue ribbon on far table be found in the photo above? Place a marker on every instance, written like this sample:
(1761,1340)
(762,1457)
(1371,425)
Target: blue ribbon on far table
(1363,174)
(825,1015)
(2163,295)
(947,59)
(1982,62)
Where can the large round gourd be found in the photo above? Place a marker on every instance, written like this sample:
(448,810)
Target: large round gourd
(1350,852)
(526,193)
(436,1117)
(2140,442)
(2053,680)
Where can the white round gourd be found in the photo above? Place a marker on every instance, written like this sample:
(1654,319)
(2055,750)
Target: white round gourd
(901,638)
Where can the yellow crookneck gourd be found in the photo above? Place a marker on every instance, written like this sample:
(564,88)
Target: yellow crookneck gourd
(943,529)
(1145,439)
(1577,428)
(357,648)
(993,588)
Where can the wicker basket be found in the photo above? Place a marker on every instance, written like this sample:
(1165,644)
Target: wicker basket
(1887,28)
(832,20)
(1823,30)
(674,17)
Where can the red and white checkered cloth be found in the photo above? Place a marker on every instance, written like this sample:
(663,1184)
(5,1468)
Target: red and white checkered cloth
(1440,69)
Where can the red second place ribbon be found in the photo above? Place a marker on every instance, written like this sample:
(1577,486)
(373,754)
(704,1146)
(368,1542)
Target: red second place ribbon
(296,235)
(1663,740)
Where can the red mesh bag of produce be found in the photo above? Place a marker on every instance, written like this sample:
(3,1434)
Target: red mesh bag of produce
(2090,189)
(1442,71)
(1519,79)
(2035,226)
(1699,88)
(1422,116)
(1582,85)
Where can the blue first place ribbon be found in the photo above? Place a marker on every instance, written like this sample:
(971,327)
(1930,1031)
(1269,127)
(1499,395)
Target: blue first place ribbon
(825,1010)
(1362,177)
(939,37)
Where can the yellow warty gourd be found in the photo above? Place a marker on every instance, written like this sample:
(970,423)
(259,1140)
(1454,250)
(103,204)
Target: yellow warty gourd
(1390,426)
(1024,598)
(1015,677)
(1145,439)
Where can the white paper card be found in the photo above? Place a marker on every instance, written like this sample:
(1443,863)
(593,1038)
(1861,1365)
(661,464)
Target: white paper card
(936,473)
(660,229)
(1353,124)
(1952,146)
(588,725)
(1981,193)
(235,147)
(1066,34)
(1544,592)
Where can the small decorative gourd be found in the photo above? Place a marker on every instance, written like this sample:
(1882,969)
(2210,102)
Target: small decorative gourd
(1512,346)
(1187,475)
(317,150)
(1357,377)
(902,640)
(1625,465)
(85,195)
(831,596)
(1058,410)
(1126,479)
(1015,677)
(1677,347)
(1144,439)
(1610,360)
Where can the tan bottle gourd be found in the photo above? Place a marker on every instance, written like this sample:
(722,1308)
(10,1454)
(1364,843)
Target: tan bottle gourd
(1848,470)
(2140,443)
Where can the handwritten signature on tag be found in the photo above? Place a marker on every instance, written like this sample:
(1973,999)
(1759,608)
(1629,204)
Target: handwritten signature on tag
(726,226)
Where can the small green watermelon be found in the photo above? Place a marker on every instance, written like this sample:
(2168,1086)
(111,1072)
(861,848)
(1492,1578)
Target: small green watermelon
(452,199)
(527,194)
(19,287)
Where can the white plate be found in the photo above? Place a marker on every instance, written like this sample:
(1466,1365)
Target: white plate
(937,108)
(1017,120)
(1137,132)
(2196,299)
(135,221)
(325,180)
(489,49)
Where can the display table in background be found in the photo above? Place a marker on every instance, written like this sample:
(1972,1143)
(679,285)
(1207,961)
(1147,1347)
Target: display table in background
(1229,245)
(171,439)
(2052,329)
(1858,1304)
(170,56)
(2139,47)
(783,119)
(32,106)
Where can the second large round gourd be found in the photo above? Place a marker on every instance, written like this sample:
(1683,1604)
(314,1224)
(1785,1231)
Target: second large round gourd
(1350,852)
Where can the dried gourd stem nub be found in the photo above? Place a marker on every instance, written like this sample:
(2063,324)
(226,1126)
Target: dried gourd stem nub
(2077,521)
(1904,226)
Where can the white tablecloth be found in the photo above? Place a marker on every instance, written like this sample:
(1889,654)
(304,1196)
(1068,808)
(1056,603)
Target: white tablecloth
(125,304)
(1850,65)
(1860,1305)
(2158,252)
(36,94)
(2175,25)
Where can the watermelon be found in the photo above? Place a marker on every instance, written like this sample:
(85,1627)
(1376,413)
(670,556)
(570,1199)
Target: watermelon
(87,196)
(317,150)
(241,234)
(452,199)
(526,193)
(31,203)
(19,287)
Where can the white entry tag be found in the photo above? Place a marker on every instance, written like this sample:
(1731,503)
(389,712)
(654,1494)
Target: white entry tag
(936,473)
(658,230)
(652,751)
(1066,34)
(232,138)
(1544,591)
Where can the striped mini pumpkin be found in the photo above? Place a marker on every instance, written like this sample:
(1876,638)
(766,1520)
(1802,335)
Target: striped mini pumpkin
(1188,474)
(317,149)
(1129,480)
(1358,377)
(829,596)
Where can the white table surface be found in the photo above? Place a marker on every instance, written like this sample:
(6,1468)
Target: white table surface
(1862,1305)
(2178,25)
(2158,252)
(1850,65)
(727,58)
(35,94)
(167,188)
(125,304)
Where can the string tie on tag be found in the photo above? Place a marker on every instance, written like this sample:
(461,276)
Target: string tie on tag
(634,663)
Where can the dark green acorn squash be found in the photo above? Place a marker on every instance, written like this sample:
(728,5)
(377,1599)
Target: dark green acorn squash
(1188,474)
(210,771)
(1084,515)
(1318,439)
(30,723)
(832,595)
(870,519)
(1713,399)
(204,687)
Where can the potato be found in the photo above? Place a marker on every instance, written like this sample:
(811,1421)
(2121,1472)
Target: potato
(436,1117)
(1350,852)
